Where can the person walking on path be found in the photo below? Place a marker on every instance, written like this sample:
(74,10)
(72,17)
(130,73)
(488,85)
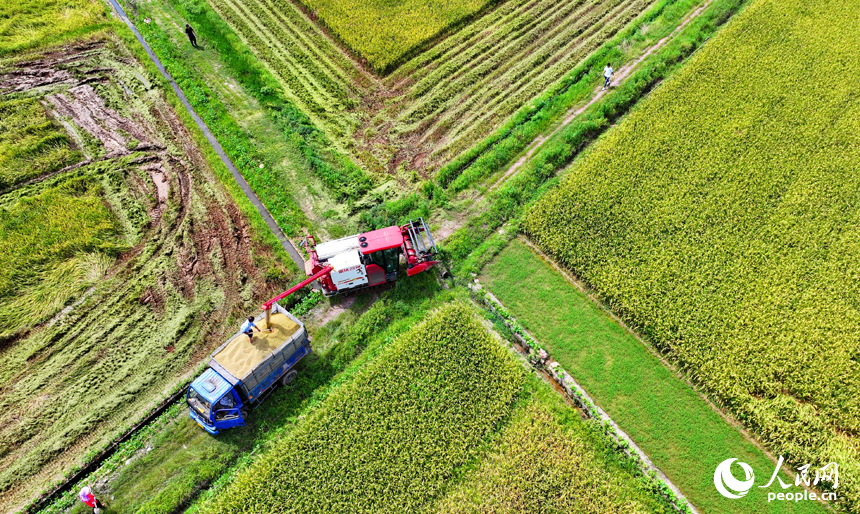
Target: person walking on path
(191,35)
(86,495)
(248,328)
(607,74)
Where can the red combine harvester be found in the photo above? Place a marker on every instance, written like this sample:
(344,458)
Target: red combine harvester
(366,260)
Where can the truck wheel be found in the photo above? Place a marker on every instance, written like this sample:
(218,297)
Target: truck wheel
(288,377)
(244,413)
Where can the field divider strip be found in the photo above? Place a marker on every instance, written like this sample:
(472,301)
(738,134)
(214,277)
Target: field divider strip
(575,392)
(622,73)
(588,293)
(237,176)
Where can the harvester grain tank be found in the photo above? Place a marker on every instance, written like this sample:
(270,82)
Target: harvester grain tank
(242,372)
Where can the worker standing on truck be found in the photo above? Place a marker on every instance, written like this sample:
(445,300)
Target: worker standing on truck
(248,328)
(86,495)
(607,74)
(191,35)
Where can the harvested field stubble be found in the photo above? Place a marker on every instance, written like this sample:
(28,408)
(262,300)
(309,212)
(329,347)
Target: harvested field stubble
(185,266)
(721,220)
(53,246)
(31,144)
(444,99)
(31,23)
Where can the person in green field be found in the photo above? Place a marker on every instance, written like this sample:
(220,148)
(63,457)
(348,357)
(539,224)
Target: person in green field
(607,74)
(191,35)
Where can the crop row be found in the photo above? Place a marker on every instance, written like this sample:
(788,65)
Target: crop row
(43,240)
(721,220)
(391,439)
(447,97)
(542,466)
(471,245)
(34,23)
(382,31)
(314,74)
(476,79)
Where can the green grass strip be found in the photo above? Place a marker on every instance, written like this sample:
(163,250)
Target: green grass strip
(498,150)
(677,429)
(345,180)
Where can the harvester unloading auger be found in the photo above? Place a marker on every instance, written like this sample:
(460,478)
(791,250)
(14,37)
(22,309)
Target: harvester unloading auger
(242,372)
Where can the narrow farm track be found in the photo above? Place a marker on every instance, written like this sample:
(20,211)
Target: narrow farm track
(621,74)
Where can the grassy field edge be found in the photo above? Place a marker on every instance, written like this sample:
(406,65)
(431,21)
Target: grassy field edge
(682,432)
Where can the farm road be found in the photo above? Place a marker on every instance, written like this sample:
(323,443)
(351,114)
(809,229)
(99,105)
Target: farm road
(622,73)
(246,188)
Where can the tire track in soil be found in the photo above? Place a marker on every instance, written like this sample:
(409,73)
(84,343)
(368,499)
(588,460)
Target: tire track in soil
(237,176)
(598,94)
(217,246)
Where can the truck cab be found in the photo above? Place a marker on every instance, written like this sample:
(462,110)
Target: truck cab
(214,404)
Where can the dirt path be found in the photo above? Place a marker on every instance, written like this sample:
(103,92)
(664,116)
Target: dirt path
(621,74)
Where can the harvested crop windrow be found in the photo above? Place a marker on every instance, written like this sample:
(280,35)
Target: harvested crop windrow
(721,219)
(441,101)
(391,439)
(473,81)
(314,73)
(122,271)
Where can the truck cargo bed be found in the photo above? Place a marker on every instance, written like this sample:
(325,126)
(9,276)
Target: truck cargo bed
(239,356)
(253,366)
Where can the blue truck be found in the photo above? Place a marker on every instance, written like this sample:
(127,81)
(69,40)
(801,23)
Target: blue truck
(241,371)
